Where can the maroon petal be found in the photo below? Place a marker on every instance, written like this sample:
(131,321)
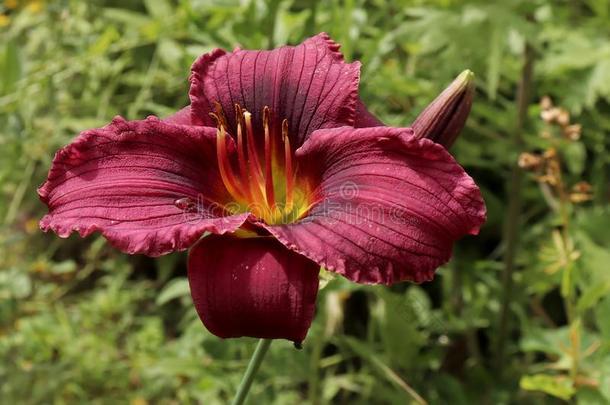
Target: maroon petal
(310,85)
(252,287)
(390,205)
(182,117)
(148,186)
(363,118)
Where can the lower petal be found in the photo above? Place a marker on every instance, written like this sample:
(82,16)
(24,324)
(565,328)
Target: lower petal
(389,208)
(252,287)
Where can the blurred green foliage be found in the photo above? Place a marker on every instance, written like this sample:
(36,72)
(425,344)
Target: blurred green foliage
(83,323)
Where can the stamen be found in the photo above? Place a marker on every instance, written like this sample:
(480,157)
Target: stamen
(268,168)
(215,118)
(241,153)
(224,166)
(288,167)
(220,115)
(250,184)
(255,167)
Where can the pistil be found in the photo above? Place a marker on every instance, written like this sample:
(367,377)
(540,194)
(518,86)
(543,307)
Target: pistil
(268,166)
(288,167)
(241,153)
(253,162)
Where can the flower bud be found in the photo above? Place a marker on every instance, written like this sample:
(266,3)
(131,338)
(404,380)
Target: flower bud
(445,117)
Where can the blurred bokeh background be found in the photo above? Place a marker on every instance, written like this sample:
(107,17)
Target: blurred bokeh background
(520,315)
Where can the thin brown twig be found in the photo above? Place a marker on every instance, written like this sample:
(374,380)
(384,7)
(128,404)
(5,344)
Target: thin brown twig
(513,217)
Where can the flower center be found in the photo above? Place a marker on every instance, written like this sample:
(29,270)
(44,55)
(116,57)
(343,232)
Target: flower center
(269,189)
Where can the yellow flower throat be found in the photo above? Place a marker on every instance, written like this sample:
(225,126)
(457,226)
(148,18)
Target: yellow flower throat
(269,189)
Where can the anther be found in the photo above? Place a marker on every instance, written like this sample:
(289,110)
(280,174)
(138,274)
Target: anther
(215,118)
(220,115)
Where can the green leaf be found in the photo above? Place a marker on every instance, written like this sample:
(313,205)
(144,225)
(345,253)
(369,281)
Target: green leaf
(10,67)
(602,317)
(160,9)
(558,386)
(325,277)
(127,17)
(174,289)
(14,284)
(64,267)
(108,37)
(545,340)
(369,355)
(400,317)
(575,156)
(494,62)
(170,52)
(590,396)
(592,295)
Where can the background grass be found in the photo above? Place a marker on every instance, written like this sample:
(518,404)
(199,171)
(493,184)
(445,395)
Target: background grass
(520,315)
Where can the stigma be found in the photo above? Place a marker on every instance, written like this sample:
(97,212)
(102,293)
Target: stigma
(261,178)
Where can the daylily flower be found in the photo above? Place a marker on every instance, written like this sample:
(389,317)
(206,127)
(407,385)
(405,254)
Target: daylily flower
(280,161)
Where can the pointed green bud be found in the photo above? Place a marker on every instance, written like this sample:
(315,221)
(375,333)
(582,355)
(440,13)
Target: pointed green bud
(445,117)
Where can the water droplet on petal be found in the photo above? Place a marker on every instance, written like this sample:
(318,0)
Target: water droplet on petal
(185,204)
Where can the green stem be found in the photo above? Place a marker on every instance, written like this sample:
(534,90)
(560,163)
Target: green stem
(568,288)
(512,221)
(255,362)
